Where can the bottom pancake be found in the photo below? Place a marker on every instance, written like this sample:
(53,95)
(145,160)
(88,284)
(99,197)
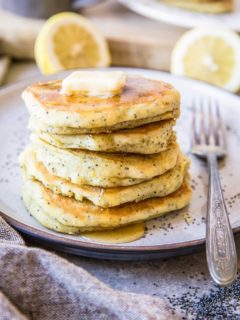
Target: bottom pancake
(67,215)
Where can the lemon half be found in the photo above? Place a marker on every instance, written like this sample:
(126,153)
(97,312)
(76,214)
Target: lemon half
(67,41)
(210,54)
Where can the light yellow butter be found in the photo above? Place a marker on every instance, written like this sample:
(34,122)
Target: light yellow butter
(94,83)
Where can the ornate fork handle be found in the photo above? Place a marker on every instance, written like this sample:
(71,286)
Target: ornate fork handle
(221,250)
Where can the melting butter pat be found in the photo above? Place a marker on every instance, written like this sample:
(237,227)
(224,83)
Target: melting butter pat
(94,83)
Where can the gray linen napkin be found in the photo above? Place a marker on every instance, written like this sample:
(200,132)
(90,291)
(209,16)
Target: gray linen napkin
(36,284)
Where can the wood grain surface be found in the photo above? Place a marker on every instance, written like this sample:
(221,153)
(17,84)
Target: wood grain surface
(134,40)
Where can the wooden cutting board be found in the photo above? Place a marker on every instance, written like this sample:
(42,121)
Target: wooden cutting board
(135,40)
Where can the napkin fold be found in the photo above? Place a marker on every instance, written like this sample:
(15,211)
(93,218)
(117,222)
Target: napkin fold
(36,284)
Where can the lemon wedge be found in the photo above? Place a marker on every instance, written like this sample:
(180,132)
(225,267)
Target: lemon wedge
(68,41)
(210,54)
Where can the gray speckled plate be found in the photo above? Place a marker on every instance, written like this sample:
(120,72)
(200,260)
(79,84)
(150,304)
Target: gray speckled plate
(177,233)
(181,17)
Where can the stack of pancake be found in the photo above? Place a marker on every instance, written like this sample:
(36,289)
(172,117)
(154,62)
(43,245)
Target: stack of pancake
(208,6)
(98,163)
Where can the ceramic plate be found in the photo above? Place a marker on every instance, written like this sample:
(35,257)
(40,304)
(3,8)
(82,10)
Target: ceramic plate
(176,233)
(156,10)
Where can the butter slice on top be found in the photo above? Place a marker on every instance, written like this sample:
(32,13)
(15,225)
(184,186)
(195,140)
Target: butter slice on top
(94,83)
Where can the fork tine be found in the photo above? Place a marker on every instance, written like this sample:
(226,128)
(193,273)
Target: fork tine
(220,131)
(207,129)
(203,133)
(211,124)
(194,133)
(207,124)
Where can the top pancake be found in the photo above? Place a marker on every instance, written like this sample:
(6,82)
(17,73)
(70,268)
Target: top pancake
(142,101)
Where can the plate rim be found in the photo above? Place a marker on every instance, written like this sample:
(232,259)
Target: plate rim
(43,235)
(95,245)
(52,238)
(143,10)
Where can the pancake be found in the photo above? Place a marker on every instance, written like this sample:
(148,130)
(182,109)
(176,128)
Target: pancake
(147,139)
(207,6)
(64,214)
(110,197)
(104,169)
(142,101)
(38,126)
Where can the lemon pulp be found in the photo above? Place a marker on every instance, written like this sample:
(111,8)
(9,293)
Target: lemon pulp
(209,54)
(68,41)
(213,61)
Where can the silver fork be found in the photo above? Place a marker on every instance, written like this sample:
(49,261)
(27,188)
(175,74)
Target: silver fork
(208,142)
